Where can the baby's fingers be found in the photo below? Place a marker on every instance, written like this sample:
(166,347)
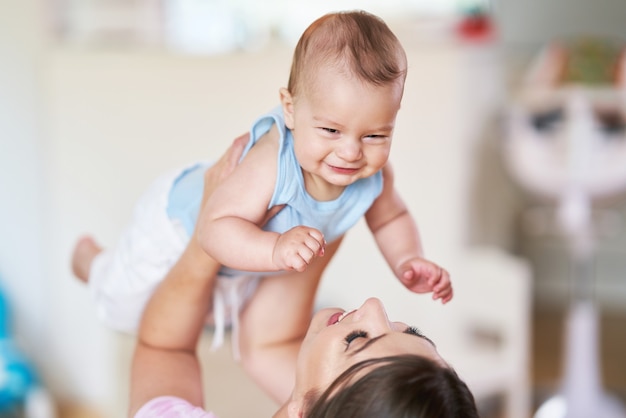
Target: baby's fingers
(441,286)
(445,296)
(441,280)
(316,242)
(311,245)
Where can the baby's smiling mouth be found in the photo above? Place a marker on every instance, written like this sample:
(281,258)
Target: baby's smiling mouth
(343,170)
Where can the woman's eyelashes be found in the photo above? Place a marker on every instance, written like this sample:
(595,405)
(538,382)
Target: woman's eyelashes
(358,333)
(415,331)
(354,335)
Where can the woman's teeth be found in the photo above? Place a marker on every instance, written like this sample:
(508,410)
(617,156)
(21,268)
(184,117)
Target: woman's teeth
(343,315)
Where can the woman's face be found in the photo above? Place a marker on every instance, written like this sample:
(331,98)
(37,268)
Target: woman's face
(337,339)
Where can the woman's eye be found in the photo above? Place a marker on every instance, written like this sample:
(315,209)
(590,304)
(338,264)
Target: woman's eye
(354,335)
(414,331)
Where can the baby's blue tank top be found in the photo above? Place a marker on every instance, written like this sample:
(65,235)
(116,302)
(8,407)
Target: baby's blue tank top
(333,217)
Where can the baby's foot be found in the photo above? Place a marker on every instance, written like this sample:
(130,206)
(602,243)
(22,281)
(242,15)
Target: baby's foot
(85,250)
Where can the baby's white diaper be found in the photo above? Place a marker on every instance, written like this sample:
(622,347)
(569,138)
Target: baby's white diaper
(123,278)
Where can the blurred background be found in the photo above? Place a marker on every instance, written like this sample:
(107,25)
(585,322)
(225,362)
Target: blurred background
(97,97)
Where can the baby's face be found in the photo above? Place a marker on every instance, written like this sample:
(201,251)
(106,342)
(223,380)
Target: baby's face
(342,129)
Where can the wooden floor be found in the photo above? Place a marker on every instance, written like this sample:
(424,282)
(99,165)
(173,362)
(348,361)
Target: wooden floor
(548,357)
(76,411)
(547,363)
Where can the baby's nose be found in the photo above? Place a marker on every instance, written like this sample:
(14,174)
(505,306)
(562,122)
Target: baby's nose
(349,150)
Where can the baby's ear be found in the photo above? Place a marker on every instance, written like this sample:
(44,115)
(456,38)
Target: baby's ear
(286,100)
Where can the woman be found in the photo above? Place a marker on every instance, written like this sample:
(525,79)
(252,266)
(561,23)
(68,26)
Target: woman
(350,364)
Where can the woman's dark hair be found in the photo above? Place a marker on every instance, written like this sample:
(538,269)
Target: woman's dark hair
(404,386)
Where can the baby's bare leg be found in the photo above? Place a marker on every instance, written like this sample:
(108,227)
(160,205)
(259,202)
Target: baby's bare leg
(274,324)
(85,250)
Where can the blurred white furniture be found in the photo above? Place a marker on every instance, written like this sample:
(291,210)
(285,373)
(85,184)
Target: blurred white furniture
(493,292)
(566,142)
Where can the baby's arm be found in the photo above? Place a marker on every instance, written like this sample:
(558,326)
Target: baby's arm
(228,229)
(397,236)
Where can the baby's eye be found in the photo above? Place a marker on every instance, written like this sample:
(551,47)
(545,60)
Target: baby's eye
(376,139)
(354,335)
(330,130)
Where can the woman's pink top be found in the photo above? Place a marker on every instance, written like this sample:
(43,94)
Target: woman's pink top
(171,407)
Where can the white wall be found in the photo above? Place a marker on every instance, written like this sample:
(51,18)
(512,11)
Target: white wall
(22,229)
(33,264)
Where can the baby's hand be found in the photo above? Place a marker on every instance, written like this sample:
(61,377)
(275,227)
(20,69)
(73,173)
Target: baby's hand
(295,248)
(422,276)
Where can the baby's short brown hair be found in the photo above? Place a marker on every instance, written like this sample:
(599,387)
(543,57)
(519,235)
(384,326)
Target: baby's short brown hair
(355,42)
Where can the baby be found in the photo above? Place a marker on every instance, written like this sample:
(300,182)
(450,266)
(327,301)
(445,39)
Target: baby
(322,156)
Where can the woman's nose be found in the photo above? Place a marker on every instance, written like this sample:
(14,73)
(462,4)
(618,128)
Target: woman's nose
(373,311)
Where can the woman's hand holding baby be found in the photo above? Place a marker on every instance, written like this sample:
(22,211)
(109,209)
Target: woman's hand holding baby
(296,248)
(423,276)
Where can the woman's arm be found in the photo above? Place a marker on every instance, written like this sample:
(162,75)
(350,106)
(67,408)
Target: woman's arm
(165,361)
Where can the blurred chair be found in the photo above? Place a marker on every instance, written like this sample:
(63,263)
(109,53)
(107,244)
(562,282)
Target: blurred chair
(566,143)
